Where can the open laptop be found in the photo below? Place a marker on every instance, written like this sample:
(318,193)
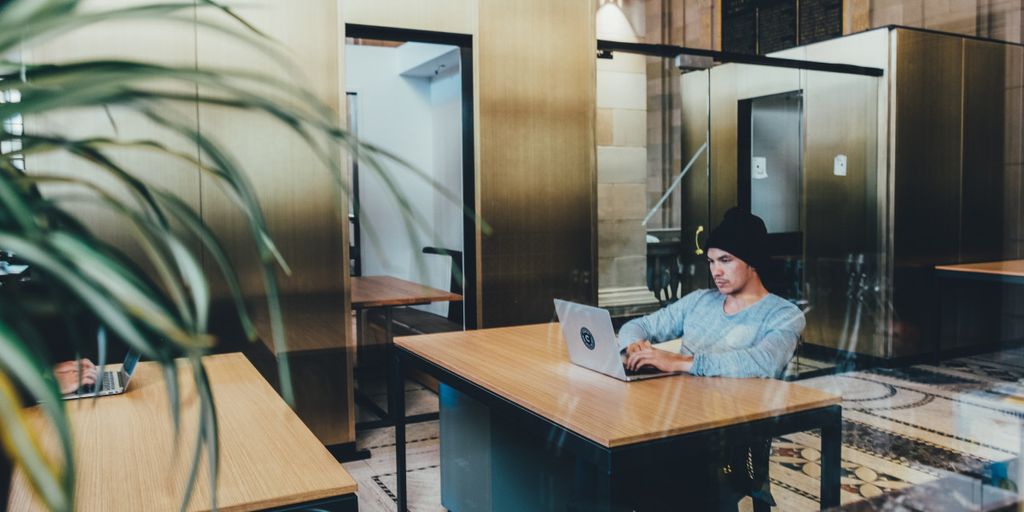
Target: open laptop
(112,382)
(592,342)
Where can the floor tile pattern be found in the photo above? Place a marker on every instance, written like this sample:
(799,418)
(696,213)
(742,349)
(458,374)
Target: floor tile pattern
(902,428)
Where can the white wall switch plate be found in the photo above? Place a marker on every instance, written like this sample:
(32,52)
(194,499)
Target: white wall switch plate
(839,165)
(759,168)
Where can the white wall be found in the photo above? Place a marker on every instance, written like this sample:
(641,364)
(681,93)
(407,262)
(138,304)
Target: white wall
(420,120)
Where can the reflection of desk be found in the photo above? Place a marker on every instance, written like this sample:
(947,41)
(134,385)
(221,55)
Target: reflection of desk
(1010,271)
(973,317)
(537,413)
(387,292)
(126,458)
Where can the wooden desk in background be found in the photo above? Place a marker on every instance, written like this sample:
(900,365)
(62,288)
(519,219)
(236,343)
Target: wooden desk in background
(386,292)
(126,458)
(969,314)
(522,423)
(1010,271)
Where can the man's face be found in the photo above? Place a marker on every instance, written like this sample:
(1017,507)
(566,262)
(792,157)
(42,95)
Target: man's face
(730,273)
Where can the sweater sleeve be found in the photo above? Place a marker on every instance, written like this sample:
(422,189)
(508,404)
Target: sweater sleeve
(662,325)
(767,358)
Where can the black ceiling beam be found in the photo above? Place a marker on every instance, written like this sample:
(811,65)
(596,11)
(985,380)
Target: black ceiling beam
(670,51)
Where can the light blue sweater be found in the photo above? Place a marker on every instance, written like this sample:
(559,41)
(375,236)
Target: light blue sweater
(758,341)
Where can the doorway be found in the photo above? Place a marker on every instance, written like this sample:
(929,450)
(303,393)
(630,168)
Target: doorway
(770,181)
(411,93)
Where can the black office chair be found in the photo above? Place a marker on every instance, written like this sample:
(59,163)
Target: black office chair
(455,283)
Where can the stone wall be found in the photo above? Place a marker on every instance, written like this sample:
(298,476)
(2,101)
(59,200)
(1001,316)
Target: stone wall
(621,157)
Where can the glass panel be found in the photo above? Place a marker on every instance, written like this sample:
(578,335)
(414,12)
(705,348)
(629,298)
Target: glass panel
(652,181)
(799,149)
(694,191)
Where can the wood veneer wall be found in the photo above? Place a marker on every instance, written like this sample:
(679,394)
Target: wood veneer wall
(303,210)
(537,157)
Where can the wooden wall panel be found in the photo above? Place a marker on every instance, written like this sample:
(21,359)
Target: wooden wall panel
(927,119)
(303,206)
(158,41)
(537,183)
(295,189)
(458,16)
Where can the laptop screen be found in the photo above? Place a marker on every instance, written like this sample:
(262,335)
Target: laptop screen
(129,362)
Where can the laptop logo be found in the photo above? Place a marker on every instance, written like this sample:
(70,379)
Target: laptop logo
(588,338)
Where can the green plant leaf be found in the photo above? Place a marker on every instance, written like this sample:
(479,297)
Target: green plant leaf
(16,361)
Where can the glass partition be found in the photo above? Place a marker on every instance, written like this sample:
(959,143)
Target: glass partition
(798,148)
(680,146)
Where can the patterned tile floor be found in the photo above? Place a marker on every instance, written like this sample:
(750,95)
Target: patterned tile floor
(901,427)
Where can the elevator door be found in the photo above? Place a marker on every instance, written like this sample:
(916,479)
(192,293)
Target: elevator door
(771,182)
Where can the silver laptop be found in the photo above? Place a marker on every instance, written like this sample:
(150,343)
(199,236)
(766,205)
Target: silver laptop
(592,342)
(111,382)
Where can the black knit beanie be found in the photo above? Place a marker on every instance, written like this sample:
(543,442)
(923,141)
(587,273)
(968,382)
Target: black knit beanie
(743,235)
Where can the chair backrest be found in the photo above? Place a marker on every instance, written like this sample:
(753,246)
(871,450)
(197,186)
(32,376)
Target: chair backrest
(455,285)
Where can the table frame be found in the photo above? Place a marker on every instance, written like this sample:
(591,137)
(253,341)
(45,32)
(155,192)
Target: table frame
(958,273)
(386,418)
(979,276)
(343,503)
(618,460)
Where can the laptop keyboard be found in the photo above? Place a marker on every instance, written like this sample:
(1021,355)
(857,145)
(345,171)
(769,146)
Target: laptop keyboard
(643,370)
(108,383)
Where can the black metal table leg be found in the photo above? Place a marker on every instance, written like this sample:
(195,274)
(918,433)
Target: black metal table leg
(831,453)
(396,408)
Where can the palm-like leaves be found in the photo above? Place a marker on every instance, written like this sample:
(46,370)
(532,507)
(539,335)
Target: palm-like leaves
(167,317)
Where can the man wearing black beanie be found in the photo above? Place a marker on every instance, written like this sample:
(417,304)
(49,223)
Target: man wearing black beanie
(737,329)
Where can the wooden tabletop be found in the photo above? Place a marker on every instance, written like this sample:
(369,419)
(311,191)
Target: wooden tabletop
(1009,268)
(383,291)
(126,458)
(529,365)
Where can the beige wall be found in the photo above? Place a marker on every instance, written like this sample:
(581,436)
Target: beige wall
(303,206)
(171,45)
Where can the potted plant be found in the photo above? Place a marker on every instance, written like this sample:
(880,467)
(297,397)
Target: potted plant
(163,318)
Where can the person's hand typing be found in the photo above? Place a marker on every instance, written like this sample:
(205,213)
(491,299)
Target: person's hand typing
(646,355)
(637,346)
(66,373)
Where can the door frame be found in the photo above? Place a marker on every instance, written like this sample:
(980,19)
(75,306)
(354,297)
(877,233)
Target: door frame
(470,302)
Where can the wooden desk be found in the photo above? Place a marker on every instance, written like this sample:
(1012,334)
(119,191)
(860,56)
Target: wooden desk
(387,292)
(126,458)
(1010,271)
(523,376)
(971,311)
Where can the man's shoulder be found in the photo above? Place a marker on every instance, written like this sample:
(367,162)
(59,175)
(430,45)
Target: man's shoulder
(700,296)
(781,311)
(778,303)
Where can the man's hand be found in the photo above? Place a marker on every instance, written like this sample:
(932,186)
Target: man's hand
(637,346)
(642,354)
(67,374)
